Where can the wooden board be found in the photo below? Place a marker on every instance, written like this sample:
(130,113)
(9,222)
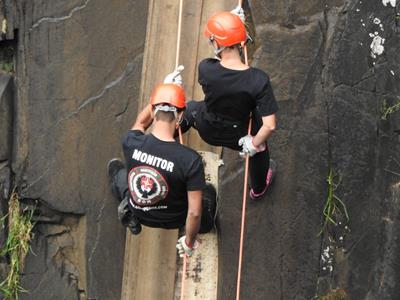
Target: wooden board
(150,258)
(149,264)
(201,278)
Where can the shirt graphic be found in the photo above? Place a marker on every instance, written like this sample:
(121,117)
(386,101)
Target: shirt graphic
(147,186)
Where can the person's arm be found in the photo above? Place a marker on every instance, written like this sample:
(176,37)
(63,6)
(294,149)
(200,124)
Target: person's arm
(193,218)
(268,127)
(144,119)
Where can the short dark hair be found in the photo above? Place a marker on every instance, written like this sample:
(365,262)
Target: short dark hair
(167,116)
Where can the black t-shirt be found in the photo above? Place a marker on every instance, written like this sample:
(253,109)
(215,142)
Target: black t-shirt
(160,174)
(233,94)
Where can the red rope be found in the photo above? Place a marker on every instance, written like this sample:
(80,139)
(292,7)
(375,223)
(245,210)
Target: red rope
(184,267)
(246,171)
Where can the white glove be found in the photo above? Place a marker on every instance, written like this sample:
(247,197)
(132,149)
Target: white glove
(183,248)
(238,10)
(175,77)
(248,147)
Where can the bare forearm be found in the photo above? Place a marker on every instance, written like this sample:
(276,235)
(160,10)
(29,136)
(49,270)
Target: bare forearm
(143,120)
(268,127)
(193,218)
(192,228)
(262,135)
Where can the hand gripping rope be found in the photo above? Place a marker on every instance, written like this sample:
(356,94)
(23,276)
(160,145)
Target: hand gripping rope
(244,194)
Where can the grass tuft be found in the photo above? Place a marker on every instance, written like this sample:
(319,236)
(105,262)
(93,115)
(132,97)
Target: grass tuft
(7,67)
(388,110)
(334,206)
(334,294)
(17,245)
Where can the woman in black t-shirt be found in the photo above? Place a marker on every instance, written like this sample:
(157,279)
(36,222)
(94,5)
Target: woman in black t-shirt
(233,91)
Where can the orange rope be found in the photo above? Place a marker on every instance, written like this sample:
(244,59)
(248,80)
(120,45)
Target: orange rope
(180,135)
(184,267)
(246,171)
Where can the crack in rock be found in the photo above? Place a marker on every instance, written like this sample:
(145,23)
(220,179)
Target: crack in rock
(59,19)
(96,243)
(129,67)
(40,176)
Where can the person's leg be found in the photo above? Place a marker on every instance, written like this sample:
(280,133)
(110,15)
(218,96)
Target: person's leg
(209,202)
(117,178)
(258,168)
(189,115)
(119,184)
(259,165)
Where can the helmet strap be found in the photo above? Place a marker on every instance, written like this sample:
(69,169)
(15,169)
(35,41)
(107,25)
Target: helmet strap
(218,51)
(166,108)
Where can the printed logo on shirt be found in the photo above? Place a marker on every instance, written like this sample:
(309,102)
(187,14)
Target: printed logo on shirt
(147,186)
(152,160)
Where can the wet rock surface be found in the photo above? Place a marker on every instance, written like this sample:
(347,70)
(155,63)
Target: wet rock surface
(331,87)
(334,66)
(78,69)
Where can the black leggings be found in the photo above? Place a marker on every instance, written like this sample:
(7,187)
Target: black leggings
(218,132)
(120,186)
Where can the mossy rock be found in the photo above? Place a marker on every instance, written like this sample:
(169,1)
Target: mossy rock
(335,294)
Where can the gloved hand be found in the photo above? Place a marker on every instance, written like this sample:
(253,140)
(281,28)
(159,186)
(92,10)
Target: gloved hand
(248,147)
(183,248)
(175,77)
(238,10)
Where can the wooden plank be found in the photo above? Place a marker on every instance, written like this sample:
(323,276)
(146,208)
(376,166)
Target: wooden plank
(150,258)
(149,270)
(149,264)
(201,278)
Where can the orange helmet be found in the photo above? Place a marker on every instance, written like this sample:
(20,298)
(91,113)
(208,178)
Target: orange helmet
(168,93)
(226,28)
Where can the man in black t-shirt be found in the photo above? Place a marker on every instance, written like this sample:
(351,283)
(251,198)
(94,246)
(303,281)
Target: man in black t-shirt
(233,91)
(162,182)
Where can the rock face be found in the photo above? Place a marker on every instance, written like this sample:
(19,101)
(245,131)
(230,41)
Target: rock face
(335,70)
(6,113)
(78,69)
(331,87)
(6,101)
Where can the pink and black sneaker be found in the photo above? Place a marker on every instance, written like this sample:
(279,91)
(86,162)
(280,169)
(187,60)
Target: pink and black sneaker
(270,177)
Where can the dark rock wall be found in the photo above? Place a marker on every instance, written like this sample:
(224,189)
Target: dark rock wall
(6,113)
(77,76)
(331,89)
(78,71)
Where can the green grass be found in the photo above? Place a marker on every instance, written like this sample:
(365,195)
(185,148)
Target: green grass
(334,294)
(334,206)
(8,67)
(17,245)
(388,110)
